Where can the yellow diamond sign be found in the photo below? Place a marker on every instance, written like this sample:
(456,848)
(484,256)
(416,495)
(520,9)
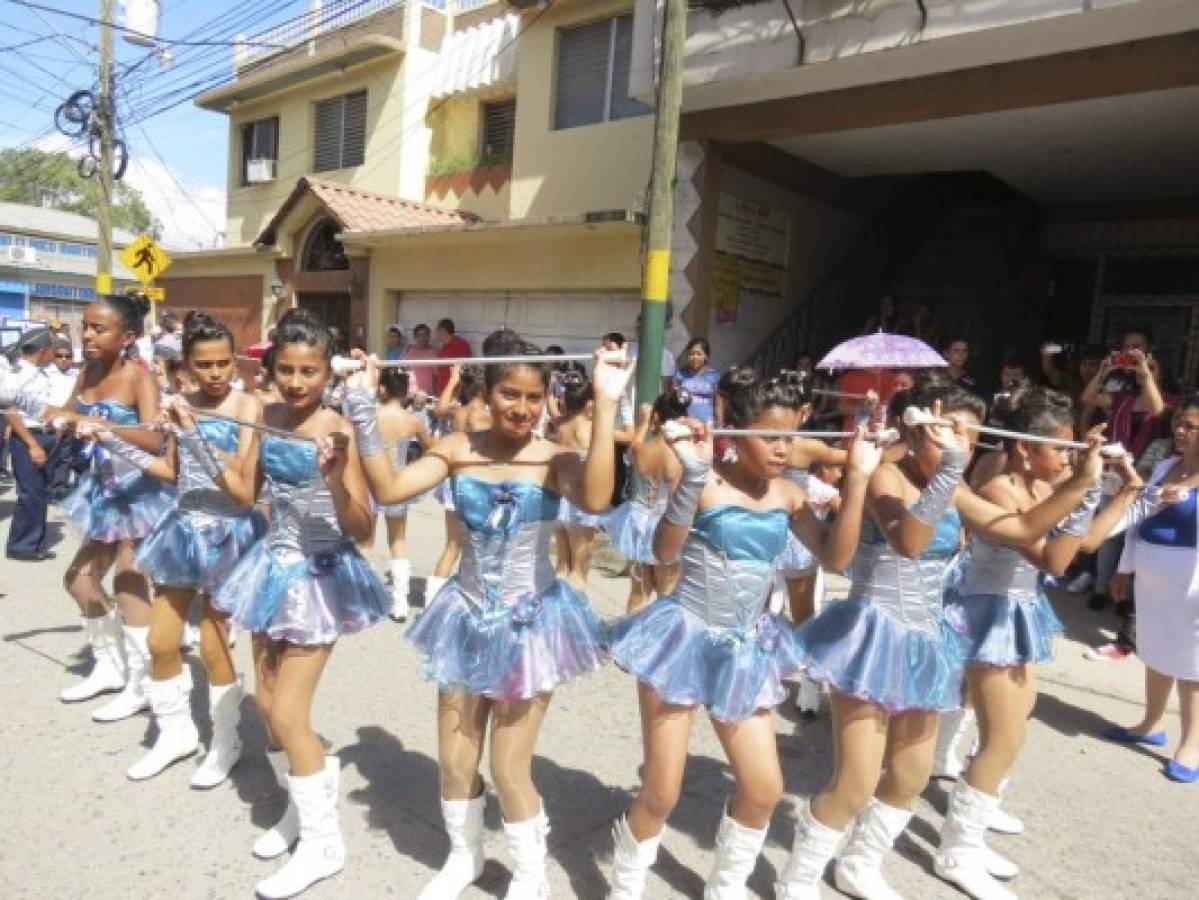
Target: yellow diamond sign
(145,259)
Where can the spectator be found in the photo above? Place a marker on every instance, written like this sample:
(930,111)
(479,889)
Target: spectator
(33,445)
(450,346)
(1090,356)
(699,379)
(1126,386)
(424,378)
(886,318)
(866,389)
(172,334)
(957,354)
(395,342)
(63,372)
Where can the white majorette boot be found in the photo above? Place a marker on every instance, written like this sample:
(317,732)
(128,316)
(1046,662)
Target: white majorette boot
(737,850)
(280,837)
(631,862)
(464,825)
(952,727)
(1001,821)
(132,698)
(224,709)
(108,670)
(962,857)
(859,870)
(815,844)
(170,701)
(526,844)
(401,576)
(321,851)
(433,584)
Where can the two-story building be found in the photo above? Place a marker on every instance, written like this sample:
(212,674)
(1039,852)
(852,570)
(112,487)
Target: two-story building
(401,161)
(1008,171)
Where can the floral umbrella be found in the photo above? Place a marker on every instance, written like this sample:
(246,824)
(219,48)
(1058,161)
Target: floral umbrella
(882,351)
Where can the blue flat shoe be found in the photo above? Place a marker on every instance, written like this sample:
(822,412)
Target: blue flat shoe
(1176,771)
(1122,735)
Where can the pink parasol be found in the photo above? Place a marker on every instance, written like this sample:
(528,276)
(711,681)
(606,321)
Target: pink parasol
(882,351)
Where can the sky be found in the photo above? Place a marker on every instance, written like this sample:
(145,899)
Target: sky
(177,155)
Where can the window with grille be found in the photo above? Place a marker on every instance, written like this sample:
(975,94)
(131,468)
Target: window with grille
(499,132)
(340,140)
(259,141)
(592,78)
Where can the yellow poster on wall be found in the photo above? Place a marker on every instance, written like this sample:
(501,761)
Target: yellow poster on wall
(752,241)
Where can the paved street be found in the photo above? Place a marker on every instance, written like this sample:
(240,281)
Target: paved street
(1102,821)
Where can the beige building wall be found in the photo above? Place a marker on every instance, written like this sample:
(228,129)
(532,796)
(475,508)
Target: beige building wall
(223,266)
(575,170)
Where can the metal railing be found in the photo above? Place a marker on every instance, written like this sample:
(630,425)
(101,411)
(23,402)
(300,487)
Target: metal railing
(330,16)
(471,5)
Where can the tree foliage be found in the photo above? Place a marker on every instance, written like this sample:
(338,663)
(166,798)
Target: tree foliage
(38,178)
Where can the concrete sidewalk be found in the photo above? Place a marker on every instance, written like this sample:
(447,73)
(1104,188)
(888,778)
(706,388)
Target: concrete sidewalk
(1102,821)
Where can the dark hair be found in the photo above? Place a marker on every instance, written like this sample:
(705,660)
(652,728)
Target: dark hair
(1190,401)
(470,384)
(1032,409)
(421,327)
(799,381)
(932,386)
(506,342)
(394,381)
(747,395)
(614,337)
(131,309)
(199,326)
(299,326)
(700,342)
(446,325)
(673,404)
(169,321)
(576,392)
(268,363)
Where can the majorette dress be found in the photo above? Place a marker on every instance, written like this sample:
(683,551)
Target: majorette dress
(714,642)
(114,500)
(505,627)
(1000,609)
(631,525)
(1161,549)
(889,642)
(197,544)
(304,582)
(399,450)
(572,517)
(797,560)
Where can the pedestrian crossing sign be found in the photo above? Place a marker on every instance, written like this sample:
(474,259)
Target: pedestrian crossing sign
(145,259)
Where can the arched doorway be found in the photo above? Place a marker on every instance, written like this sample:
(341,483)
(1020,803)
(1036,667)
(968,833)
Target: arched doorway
(323,259)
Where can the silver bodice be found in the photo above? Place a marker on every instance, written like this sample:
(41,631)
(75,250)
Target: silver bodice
(199,493)
(497,569)
(652,493)
(995,569)
(723,592)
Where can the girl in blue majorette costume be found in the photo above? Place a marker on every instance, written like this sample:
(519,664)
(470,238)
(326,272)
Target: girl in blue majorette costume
(194,548)
(114,505)
(631,525)
(301,588)
(713,642)
(576,535)
(505,632)
(999,607)
(889,658)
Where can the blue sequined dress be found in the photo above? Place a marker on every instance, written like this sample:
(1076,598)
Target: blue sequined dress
(115,500)
(1000,608)
(714,642)
(505,626)
(197,544)
(889,642)
(304,582)
(631,525)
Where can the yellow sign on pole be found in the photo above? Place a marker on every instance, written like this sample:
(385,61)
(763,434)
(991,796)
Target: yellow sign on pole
(104,284)
(157,294)
(145,259)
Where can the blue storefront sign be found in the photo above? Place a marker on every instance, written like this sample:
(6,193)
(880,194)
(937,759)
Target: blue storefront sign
(13,298)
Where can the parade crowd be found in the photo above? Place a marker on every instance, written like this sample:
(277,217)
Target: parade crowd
(948,502)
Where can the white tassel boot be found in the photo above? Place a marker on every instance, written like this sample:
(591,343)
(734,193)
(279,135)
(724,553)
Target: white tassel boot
(737,850)
(632,860)
(321,851)
(132,699)
(401,576)
(527,846)
(1001,821)
(815,844)
(464,825)
(952,727)
(280,837)
(961,858)
(177,739)
(108,669)
(224,710)
(859,871)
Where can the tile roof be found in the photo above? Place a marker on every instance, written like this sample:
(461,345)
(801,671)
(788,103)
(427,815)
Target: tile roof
(362,211)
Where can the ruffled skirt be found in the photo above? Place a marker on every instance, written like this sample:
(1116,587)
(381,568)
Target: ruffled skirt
(734,672)
(308,600)
(573,517)
(197,550)
(1000,631)
(631,527)
(863,652)
(511,653)
(127,512)
(796,559)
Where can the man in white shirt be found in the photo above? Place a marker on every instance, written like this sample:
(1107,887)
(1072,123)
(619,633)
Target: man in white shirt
(63,374)
(32,450)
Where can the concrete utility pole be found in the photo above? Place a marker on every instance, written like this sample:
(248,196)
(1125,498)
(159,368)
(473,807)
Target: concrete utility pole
(655,278)
(104,121)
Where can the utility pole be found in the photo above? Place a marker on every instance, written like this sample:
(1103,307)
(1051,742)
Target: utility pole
(104,120)
(655,276)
